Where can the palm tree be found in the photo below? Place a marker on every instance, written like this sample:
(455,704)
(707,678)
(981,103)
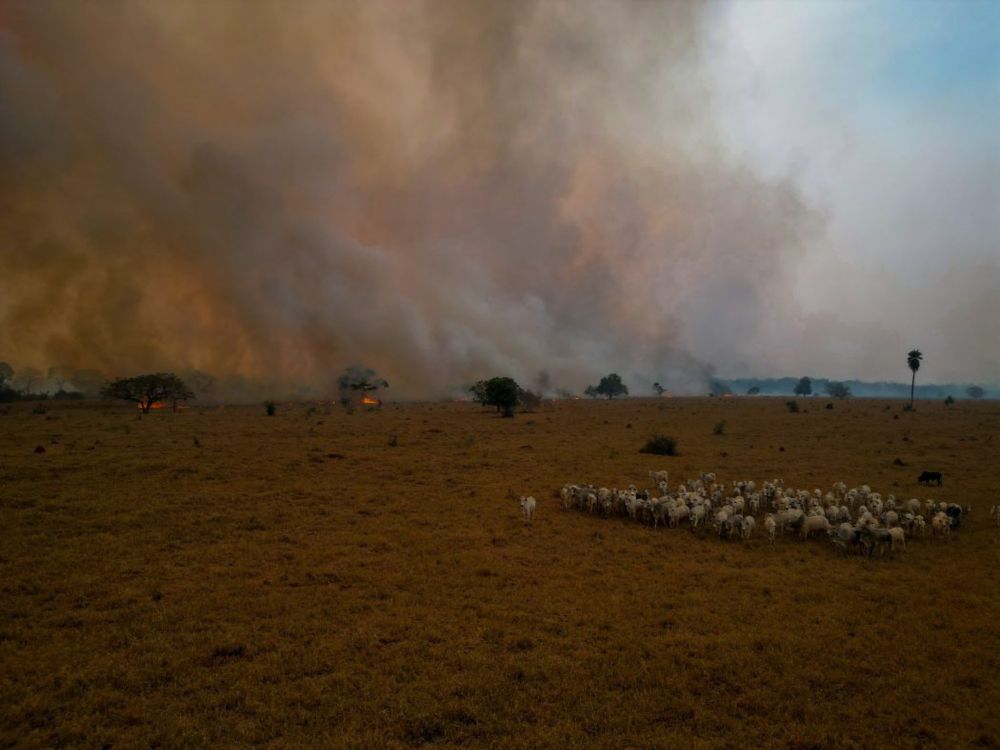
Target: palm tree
(913,360)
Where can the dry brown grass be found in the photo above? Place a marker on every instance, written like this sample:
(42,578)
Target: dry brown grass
(260,590)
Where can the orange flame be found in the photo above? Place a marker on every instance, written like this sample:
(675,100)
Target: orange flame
(157,405)
(370,400)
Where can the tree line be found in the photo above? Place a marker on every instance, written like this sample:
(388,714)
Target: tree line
(362,383)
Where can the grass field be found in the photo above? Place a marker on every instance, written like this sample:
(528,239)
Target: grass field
(220,578)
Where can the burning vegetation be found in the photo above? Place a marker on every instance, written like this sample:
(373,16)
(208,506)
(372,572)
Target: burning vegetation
(149,392)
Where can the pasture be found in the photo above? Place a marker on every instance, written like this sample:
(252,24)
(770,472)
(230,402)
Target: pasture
(221,578)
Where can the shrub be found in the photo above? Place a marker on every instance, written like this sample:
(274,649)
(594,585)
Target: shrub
(949,401)
(660,445)
(269,408)
(720,428)
(792,406)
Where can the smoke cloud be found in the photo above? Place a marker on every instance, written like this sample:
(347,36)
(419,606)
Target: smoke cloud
(443,191)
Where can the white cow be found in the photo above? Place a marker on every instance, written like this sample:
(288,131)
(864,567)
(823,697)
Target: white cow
(528,508)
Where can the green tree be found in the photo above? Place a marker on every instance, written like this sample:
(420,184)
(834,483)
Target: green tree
(975,391)
(478,392)
(913,360)
(146,390)
(804,387)
(591,391)
(611,386)
(503,393)
(658,389)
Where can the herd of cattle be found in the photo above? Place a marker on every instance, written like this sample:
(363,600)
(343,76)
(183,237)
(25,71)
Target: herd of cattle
(856,519)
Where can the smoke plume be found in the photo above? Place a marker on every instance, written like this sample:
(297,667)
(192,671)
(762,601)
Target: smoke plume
(442,190)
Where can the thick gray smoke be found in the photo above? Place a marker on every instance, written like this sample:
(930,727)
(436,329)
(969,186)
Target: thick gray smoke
(441,190)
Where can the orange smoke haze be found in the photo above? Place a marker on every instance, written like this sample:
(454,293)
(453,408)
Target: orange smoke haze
(443,191)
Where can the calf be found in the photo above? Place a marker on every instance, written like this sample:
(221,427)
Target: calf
(528,508)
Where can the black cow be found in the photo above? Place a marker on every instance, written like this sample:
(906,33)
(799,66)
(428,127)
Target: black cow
(955,512)
(930,477)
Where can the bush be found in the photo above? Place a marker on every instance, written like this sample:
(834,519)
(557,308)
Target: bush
(720,428)
(792,406)
(269,408)
(660,445)
(949,401)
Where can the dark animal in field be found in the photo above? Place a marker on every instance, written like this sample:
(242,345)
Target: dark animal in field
(956,513)
(930,477)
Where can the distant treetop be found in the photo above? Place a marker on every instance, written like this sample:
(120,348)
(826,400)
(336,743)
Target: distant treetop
(611,386)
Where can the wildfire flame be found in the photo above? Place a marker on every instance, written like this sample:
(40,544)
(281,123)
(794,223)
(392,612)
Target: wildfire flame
(370,400)
(157,405)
